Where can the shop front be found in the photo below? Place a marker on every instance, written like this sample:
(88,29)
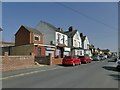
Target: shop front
(50,51)
(44,50)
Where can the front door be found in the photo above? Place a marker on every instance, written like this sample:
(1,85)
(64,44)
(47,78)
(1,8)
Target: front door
(39,52)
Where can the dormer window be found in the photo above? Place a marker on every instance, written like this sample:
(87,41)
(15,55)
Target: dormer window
(36,38)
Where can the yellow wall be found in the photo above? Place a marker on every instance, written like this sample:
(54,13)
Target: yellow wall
(22,50)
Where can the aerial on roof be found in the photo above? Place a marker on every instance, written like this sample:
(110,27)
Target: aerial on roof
(33,30)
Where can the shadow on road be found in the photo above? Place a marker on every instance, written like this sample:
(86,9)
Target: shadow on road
(64,65)
(111,68)
(116,76)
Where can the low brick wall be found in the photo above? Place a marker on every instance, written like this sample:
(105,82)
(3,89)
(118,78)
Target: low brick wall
(43,60)
(21,62)
(57,60)
(16,62)
(48,60)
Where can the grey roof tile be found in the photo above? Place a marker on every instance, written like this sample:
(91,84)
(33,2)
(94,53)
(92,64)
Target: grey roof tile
(70,33)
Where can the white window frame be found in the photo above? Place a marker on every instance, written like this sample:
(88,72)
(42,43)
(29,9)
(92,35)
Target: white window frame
(36,36)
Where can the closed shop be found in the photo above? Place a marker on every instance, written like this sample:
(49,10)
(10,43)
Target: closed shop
(50,50)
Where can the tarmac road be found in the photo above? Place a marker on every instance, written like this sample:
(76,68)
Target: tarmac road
(92,75)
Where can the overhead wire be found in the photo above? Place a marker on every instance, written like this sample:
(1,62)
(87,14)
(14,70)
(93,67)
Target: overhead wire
(82,14)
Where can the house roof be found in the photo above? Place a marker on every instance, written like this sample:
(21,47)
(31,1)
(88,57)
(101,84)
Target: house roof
(70,33)
(50,25)
(91,46)
(33,30)
(54,28)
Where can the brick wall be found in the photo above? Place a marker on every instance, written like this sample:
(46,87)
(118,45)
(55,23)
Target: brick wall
(22,50)
(16,62)
(22,36)
(48,60)
(57,60)
(21,62)
(43,60)
(42,50)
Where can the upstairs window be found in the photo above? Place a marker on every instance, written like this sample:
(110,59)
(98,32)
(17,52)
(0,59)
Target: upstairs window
(63,39)
(37,38)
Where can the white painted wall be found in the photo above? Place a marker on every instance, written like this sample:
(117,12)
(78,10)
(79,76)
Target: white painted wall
(62,37)
(86,43)
(77,40)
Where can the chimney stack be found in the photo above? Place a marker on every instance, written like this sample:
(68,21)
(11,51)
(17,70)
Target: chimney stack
(81,34)
(60,29)
(70,28)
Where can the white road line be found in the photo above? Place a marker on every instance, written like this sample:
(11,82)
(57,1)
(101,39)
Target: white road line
(29,73)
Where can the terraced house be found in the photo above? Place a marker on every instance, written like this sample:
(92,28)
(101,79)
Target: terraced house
(75,42)
(85,44)
(46,38)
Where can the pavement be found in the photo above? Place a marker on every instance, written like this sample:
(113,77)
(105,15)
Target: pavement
(98,74)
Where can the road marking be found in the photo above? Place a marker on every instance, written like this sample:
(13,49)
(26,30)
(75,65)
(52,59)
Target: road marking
(23,74)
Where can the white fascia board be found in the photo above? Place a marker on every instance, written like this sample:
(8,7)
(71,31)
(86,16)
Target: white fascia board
(45,45)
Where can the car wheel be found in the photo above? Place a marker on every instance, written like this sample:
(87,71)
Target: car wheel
(73,64)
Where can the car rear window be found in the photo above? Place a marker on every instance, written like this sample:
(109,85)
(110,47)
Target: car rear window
(86,56)
(81,56)
(68,57)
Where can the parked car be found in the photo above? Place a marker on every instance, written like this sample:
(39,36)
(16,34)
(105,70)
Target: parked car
(115,58)
(105,56)
(71,60)
(118,64)
(96,58)
(101,57)
(91,58)
(85,59)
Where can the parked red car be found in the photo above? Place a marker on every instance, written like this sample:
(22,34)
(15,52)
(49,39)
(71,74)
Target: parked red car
(85,59)
(71,60)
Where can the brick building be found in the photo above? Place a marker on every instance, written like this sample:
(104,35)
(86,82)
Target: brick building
(27,41)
